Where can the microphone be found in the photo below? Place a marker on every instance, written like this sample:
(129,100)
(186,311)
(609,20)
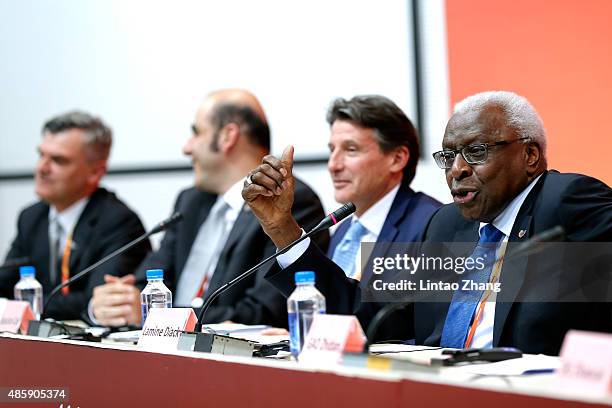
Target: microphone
(174,218)
(332,219)
(162,226)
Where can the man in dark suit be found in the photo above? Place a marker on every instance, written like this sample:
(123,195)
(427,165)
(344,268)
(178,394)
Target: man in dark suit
(494,156)
(374,151)
(219,237)
(77,223)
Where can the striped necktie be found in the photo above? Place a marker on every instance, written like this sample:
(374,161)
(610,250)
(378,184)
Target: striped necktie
(464,302)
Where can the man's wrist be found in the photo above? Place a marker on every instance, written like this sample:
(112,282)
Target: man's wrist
(283,233)
(91,313)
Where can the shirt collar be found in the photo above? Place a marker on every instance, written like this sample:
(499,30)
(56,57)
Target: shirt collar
(70,216)
(233,198)
(374,217)
(505,221)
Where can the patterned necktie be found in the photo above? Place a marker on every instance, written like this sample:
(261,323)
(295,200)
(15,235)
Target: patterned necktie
(345,253)
(463,305)
(55,234)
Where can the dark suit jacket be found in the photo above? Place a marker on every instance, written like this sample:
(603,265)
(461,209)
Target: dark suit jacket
(406,222)
(253,300)
(105,225)
(582,205)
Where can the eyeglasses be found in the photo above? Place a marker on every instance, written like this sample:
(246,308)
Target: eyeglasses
(473,154)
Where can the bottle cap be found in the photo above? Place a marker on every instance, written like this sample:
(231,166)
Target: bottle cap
(27,271)
(304,277)
(155,274)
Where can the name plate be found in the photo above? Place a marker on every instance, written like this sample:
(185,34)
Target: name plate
(586,362)
(163,328)
(15,316)
(329,337)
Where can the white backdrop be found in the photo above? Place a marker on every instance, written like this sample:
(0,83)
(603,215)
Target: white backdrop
(144,66)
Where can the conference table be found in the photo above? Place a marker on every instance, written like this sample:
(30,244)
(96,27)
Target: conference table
(103,375)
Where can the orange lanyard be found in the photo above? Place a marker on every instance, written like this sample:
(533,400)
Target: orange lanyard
(66,264)
(487,294)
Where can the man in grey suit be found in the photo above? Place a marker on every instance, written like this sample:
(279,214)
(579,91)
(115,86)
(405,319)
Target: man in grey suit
(219,237)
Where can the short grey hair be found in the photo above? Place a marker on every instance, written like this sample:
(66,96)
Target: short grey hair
(98,136)
(521,116)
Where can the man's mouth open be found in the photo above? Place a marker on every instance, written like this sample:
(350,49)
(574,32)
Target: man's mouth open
(464,197)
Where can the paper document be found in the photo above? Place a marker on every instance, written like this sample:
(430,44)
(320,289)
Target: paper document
(231,328)
(398,348)
(127,336)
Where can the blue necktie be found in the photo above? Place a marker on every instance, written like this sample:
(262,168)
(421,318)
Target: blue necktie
(345,253)
(464,302)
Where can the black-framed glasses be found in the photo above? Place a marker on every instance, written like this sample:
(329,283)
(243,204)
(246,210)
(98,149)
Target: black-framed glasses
(473,154)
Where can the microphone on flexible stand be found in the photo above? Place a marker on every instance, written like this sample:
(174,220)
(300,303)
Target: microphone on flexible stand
(36,328)
(199,341)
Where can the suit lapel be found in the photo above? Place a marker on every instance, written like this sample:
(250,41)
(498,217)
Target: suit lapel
(397,212)
(512,276)
(40,248)
(83,232)
(245,222)
(244,225)
(513,271)
(389,231)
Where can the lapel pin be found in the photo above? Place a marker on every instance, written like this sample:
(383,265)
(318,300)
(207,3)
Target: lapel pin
(522,233)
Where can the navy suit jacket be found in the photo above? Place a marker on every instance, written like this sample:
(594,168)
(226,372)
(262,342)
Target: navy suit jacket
(583,207)
(405,222)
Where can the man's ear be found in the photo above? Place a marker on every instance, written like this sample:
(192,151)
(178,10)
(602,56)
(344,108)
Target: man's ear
(400,157)
(228,137)
(98,170)
(533,157)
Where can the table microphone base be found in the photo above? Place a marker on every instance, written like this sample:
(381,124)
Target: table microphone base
(215,343)
(46,328)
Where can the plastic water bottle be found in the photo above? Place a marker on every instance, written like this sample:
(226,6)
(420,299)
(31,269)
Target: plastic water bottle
(302,305)
(155,294)
(29,289)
